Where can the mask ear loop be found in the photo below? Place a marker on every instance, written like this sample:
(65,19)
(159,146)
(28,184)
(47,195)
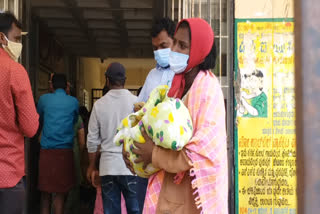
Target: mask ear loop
(6,38)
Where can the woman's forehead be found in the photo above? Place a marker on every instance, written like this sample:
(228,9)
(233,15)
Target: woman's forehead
(182,34)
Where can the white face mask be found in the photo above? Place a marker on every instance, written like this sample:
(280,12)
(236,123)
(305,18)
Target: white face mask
(178,62)
(162,57)
(14,49)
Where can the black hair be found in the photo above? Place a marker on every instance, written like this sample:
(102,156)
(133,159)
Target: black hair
(185,24)
(59,81)
(163,24)
(116,82)
(6,21)
(210,60)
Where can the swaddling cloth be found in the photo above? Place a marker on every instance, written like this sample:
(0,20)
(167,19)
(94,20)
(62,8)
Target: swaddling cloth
(167,122)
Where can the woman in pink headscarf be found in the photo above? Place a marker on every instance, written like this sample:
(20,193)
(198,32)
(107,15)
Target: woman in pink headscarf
(195,179)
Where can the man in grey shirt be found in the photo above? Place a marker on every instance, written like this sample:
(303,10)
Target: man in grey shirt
(106,116)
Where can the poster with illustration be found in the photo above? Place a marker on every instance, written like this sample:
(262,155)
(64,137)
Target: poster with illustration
(265,143)
(253,101)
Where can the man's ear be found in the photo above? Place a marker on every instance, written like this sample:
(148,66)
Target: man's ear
(3,40)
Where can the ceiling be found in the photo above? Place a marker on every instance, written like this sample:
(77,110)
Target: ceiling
(101,28)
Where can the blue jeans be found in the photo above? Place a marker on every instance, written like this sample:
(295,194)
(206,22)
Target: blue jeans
(112,187)
(142,184)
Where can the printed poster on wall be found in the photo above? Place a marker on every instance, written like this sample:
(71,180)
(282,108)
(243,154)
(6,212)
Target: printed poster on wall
(265,140)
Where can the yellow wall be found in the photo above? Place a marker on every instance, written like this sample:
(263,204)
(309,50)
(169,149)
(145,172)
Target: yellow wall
(91,74)
(263,9)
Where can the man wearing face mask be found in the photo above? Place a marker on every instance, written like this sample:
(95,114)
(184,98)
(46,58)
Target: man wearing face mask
(11,41)
(162,40)
(18,116)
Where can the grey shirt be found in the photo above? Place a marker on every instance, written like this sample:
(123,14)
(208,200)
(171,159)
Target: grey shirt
(107,113)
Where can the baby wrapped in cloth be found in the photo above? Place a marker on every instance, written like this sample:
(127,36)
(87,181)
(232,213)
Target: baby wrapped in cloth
(167,122)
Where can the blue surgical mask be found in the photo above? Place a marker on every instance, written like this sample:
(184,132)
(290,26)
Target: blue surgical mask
(162,57)
(178,62)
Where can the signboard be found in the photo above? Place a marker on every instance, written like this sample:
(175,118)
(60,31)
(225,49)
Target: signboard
(265,140)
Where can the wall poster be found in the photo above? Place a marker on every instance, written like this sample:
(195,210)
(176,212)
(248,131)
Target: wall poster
(265,143)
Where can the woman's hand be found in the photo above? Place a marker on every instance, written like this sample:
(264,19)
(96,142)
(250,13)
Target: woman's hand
(144,150)
(125,157)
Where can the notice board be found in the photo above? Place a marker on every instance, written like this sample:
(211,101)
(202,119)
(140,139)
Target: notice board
(265,142)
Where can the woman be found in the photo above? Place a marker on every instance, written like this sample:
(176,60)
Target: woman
(194,180)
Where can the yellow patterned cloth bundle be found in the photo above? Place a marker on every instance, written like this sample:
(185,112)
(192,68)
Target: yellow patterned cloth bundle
(167,122)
